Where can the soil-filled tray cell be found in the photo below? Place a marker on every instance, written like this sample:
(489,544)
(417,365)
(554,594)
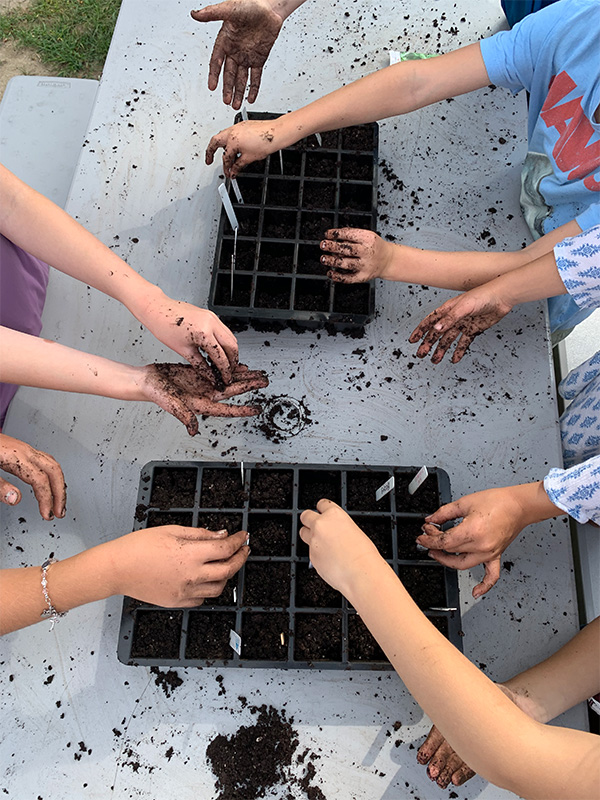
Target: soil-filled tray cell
(244,255)
(220,522)
(282,192)
(309,260)
(329,141)
(351,298)
(251,190)
(256,168)
(222,488)
(247,220)
(208,635)
(271,534)
(276,257)
(156,634)
(302,550)
(357,168)
(356,197)
(359,137)
(272,488)
(173,488)
(362,221)
(321,165)
(318,637)
(157,518)
(426,585)
(407,530)
(362,646)
(379,531)
(242,290)
(266,583)
(313,225)
(311,295)
(361,490)
(318,194)
(279,224)
(262,636)
(312,591)
(426,498)
(292,163)
(226,598)
(315,484)
(273,292)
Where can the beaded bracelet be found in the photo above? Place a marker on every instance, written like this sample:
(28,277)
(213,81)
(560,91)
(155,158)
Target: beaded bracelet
(50,612)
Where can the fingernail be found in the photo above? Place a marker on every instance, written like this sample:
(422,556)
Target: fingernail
(429,553)
(222,532)
(63,511)
(11,497)
(247,543)
(51,515)
(421,547)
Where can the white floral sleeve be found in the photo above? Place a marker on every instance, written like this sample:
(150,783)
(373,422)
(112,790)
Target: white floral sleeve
(578,262)
(576,490)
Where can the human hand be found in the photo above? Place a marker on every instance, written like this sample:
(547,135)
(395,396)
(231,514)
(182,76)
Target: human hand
(242,144)
(249,30)
(338,548)
(36,468)
(355,256)
(185,392)
(175,566)
(464,316)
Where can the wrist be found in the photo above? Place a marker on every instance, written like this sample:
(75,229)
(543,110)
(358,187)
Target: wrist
(80,579)
(392,257)
(283,8)
(357,585)
(144,302)
(534,503)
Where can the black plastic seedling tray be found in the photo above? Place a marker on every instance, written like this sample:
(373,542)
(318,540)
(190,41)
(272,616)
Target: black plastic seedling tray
(278,276)
(286,616)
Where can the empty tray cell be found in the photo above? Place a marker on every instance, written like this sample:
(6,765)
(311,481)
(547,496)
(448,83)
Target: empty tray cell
(318,483)
(271,488)
(271,534)
(279,224)
(318,194)
(256,168)
(359,137)
(351,298)
(282,192)
(426,498)
(276,257)
(361,644)
(219,521)
(156,634)
(266,583)
(173,488)
(311,295)
(272,292)
(157,518)
(407,530)
(222,488)
(247,219)
(361,491)
(262,636)
(292,163)
(318,637)
(313,225)
(251,189)
(244,255)
(426,585)
(356,197)
(242,290)
(321,165)
(362,221)
(208,634)
(357,168)
(379,531)
(312,591)
(309,260)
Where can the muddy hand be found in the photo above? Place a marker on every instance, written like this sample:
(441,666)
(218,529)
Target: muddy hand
(353,255)
(249,30)
(445,766)
(186,392)
(461,318)
(36,468)
(242,144)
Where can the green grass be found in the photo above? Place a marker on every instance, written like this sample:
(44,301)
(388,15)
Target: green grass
(71,35)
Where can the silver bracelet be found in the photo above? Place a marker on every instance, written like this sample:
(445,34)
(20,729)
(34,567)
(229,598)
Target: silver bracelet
(49,612)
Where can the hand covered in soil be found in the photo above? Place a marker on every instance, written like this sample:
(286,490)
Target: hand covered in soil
(36,468)
(173,566)
(186,329)
(463,317)
(186,392)
(249,30)
(242,144)
(355,256)
(338,547)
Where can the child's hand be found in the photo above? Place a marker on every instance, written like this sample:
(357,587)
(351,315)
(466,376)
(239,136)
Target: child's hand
(185,392)
(338,548)
(355,255)
(244,143)
(36,468)
(249,30)
(174,566)
(464,316)
(445,766)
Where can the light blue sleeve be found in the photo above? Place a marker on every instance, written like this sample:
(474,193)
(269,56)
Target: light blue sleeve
(576,490)
(578,262)
(589,217)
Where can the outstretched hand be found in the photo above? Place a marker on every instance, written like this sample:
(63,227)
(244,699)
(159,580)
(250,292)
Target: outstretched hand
(36,468)
(353,255)
(249,31)
(186,392)
(463,317)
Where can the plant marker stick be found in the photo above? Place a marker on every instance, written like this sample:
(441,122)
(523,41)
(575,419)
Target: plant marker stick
(319,139)
(244,114)
(417,480)
(234,595)
(385,488)
(242,471)
(235,642)
(233,221)
(281,161)
(236,189)
(282,637)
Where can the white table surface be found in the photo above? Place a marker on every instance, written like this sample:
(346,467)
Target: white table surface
(489,421)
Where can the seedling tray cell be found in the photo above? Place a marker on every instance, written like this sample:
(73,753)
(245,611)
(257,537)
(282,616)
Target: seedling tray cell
(278,277)
(285,614)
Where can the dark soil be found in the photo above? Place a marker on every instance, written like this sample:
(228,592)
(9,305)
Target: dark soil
(251,189)
(226,596)
(316,484)
(312,591)
(407,531)
(158,518)
(313,225)
(218,522)
(356,197)
(266,583)
(311,295)
(272,292)
(247,220)
(379,531)
(261,636)
(425,500)
(292,163)
(271,534)
(321,165)
(276,257)
(208,635)
(363,221)
(271,488)
(256,168)
(222,488)
(361,644)
(242,290)
(426,586)
(283,192)
(318,637)
(359,137)
(309,260)
(156,634)
(167,681)
(351,298)
(358,168)
(318,195)
(244,255)
(173,488)
(279,224)
(361,491)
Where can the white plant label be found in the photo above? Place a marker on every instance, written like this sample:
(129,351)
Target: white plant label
(417,480)
(234,595)
(235,642)
(244,114)
(319,139)
(394,57)
(233,221)
(242,471)
(236,190)
(281,161)
(385,488)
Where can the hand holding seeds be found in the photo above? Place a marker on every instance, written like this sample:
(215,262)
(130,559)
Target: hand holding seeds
(353,255)
(36,468)
(244,143)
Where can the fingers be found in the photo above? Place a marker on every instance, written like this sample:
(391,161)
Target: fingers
(458,561)
(452,540)
(218,545)
(240,87)
(9,494)
(445,342)
(445,513)
(176,407)
(255,380)
(208,408)
(490,578)
(44,475)
(430,745)
(344,248)
(229,345)
(463,774)
(461,348)
(230,71)
(324,504)
(453,763)
(219,11)
(357,235)
(255,78)
(218,140)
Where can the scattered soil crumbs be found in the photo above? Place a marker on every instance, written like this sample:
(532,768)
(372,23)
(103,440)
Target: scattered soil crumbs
(168,681)
(259,757)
